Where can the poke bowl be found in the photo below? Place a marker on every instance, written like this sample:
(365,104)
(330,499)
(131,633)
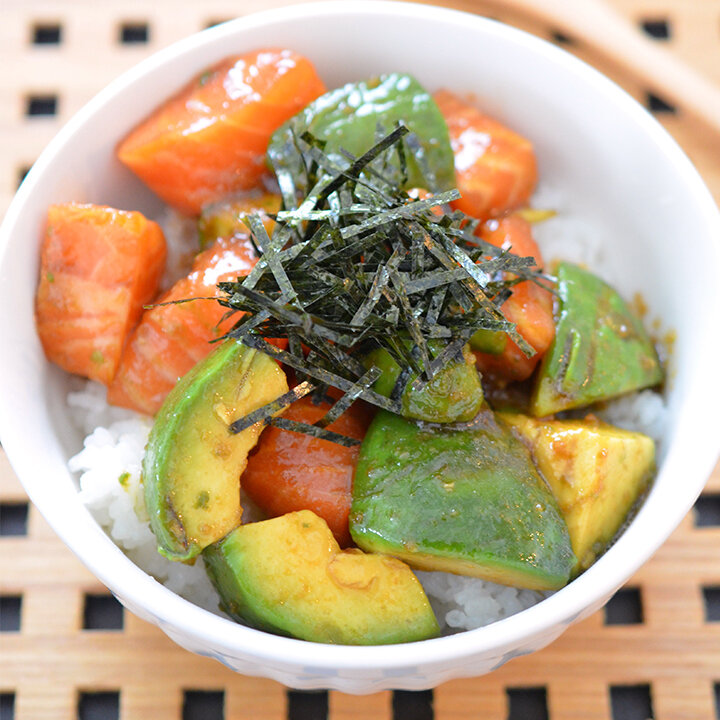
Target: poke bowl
(615,199)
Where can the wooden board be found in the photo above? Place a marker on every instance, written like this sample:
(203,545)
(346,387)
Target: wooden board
(667,665)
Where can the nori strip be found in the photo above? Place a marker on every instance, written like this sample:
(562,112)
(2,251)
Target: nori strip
(313,431)
(349,397)
(265,413)
(354,263)
(318,373)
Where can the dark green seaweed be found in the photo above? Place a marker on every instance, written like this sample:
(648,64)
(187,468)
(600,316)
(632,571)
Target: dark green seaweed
(359,264)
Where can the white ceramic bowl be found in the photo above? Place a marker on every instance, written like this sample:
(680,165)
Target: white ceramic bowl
(619,171)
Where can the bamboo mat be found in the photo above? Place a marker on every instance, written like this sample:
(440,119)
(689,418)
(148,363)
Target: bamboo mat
(67,650)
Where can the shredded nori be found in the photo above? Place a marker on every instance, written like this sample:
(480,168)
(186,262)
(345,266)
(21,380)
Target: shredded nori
(355,264)
(314,431)
(265,413)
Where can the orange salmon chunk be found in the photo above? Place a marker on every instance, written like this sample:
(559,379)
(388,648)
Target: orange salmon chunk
(495,168)
(530,307)
(210,139)
(290,471)
(98,267)
(173,336)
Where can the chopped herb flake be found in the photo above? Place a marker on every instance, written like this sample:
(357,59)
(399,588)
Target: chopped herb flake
(202,499)
(205,77)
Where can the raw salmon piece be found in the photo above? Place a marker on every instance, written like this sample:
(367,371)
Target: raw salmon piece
(495,168)
(289,471)
(530,307)
(172,338)
(210,139)
(99,266)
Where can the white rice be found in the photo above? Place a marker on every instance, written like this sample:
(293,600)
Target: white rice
(567,235)
(644,412)
(109,467)
(116,438)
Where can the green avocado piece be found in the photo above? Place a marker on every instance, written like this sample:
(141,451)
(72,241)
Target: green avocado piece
(488,341)
(349,118)
(454,395)
(601,349)
(192,464)
(224,220)
(464,501)
(596,471)
(288,575)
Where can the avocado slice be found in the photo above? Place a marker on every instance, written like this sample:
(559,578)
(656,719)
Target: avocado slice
(192,464)
(349,118)
(488,341)
(601,349)
(596,471)
(464,501)
(288,575)
(454,395)
(225,220)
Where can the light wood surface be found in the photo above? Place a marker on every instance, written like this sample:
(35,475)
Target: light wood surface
(598,25)
(674,651)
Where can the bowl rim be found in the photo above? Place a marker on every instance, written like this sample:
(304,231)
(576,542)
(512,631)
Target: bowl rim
(128,580)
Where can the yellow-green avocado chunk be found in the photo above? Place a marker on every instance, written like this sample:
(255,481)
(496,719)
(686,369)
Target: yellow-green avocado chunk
(288,575)
(596,471)
(469,502)
(455,394)
(600,349)
(225,219)
(192,464)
